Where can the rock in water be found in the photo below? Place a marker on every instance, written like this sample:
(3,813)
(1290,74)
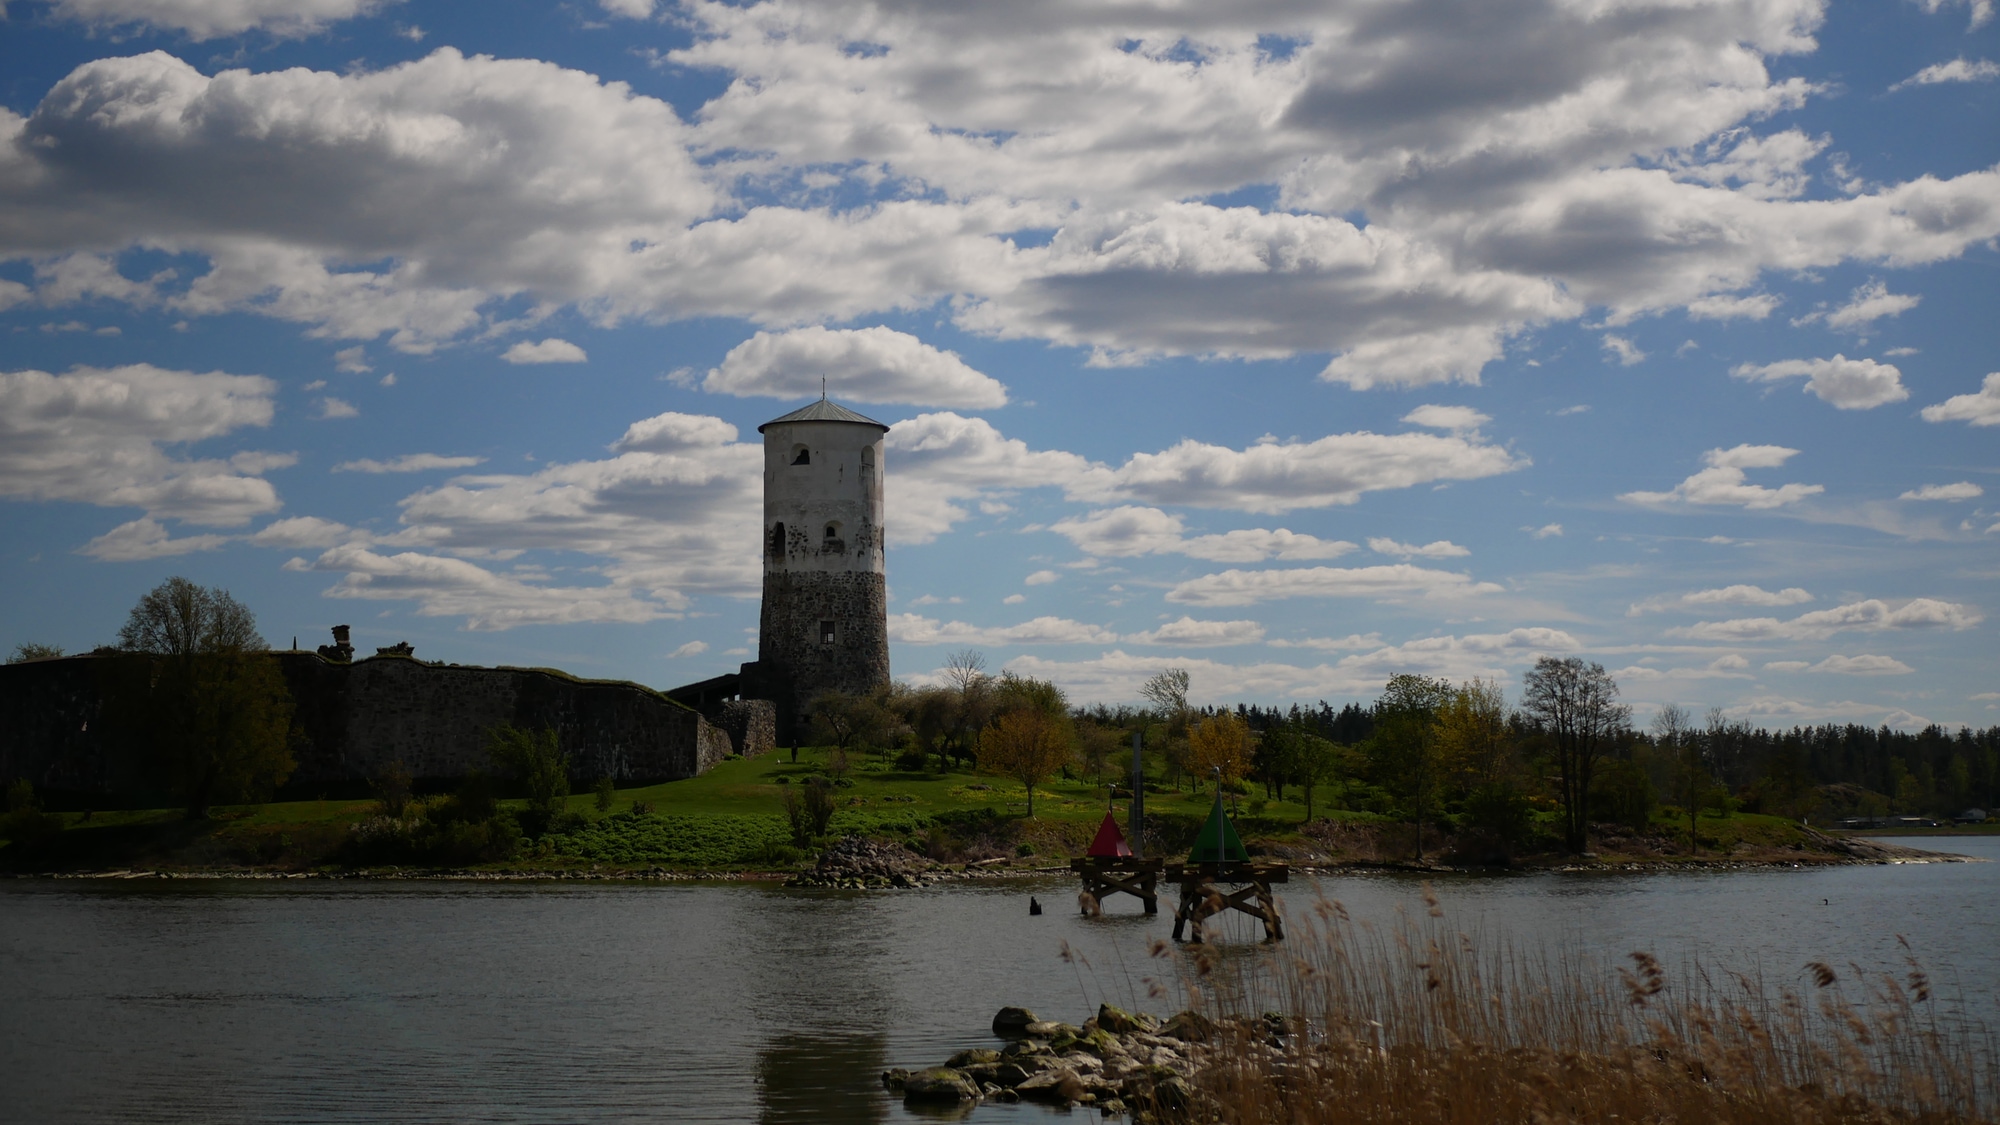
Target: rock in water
(1012,1021)
(940,1084)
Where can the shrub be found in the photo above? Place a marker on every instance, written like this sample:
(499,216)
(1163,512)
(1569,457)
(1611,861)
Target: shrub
(25,822)
(605,791)
(537,763)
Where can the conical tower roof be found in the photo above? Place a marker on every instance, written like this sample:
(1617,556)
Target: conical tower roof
(825,410)
(1218,841)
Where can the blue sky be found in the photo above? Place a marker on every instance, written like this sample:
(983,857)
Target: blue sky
(1294,344)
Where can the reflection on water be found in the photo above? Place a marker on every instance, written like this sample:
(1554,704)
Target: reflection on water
(371,1002)
(802,1079)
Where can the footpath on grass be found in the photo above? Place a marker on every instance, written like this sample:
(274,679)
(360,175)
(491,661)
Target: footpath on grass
(922,827)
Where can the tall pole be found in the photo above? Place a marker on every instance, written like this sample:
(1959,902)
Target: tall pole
(1138,793)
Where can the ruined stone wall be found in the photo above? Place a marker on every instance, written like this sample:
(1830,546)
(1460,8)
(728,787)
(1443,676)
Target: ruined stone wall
(752,724)
(791,648)
(356,719)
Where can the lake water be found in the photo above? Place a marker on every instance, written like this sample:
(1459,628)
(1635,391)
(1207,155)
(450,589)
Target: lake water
(322,1001)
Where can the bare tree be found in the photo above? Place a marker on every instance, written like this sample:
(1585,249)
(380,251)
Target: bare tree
(1576,705)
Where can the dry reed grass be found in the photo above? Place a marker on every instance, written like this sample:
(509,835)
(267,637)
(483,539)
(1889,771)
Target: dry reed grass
(1417,1023)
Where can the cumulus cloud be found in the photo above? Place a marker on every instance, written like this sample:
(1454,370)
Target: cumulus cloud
(550,350)
(1958,490)
(1727,667)
(1400,582)
(673,513)
(1623,350)
(331,408)
(1724,481)
(862,364)
(1129,531)
(96,436)
(1190,633)
(1956,70)
(1041,578)
(938,462)
(915,629)
(674,432)
(1981,408)
(1117,675)
(1741,594)
(692,648)
(451,587)
(408,463)
(1546,531)
(1849,384)
(1278,477)
(304,531)
(1453,418)
(1869,304)
(1432,203)
(210,19)
(1863,665)
(1872,615)
(1437,549)
(146,538)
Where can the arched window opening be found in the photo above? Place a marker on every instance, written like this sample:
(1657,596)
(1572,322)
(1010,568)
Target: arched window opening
(868,458)
(832,543)
(778,541)
(802,456)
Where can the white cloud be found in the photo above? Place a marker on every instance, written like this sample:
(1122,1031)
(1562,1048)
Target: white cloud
(550,350)
(1274,478)
(335,408)
(1129,531)
(1872,615)
(1623,350)
(1981,408)
(1740,594)
(1863,665)
(1189,633)
(1453,418)
(673,433)
(915,629)
(303,531)
(408,463)
(937,462)
(1348,643)
(1981,10)
(1723,482)
(692,648)
(352,361)
(1955,70)
(94,436)
(1438,549)
(1548,531)
(145,538)
(1753,306)
(674,513)
(825,183)
(1383,583)
(1117,675)
(210,19)
(449,587)
(861,364)
(1849,384)
(1013,599)
(1042,578)
(1869,304)
(630,9)
(1959,490)
(1726,667)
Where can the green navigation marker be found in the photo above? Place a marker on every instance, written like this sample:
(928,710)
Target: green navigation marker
(1218,841)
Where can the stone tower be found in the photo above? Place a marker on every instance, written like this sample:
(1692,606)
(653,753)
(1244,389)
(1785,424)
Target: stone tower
(825,625)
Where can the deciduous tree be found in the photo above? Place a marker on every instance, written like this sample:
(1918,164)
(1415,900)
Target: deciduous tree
(203,705)
(1576,705)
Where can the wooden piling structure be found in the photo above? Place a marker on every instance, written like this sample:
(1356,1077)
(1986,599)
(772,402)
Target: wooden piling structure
(1110,875)
(1203,895)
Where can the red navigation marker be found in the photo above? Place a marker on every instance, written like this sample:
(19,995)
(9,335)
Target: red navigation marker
(1109,841)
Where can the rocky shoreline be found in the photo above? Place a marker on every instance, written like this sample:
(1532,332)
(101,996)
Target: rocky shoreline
(1117,1062)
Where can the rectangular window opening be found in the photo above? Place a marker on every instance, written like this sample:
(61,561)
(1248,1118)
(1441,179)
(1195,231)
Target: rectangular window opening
(826,632)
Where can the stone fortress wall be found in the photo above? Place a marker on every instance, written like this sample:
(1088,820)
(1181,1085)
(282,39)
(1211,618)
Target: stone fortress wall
(355,720)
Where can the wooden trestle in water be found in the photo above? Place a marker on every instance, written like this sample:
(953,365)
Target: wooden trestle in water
(1203,895)
(1109,875)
